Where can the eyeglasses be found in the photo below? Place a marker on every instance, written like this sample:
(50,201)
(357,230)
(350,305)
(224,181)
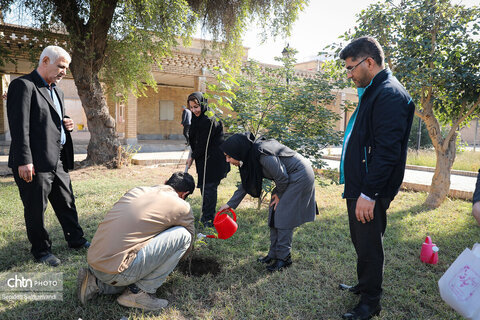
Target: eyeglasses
(350,69)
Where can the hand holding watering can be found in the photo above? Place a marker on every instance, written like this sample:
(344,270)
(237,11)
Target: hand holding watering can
(224,225)
(429,252)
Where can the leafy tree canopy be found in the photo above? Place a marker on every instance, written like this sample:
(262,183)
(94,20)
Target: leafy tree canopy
(433,47)
(279,103)
(119,41)
(140,32)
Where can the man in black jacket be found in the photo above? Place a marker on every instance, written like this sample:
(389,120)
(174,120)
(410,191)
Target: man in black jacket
(41,152)
(373,164)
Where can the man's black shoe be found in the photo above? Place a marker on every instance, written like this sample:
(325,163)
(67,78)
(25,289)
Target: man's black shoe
(265,260)
(362,312)
(85,245)
(352,289)
(280,264)
(49,260)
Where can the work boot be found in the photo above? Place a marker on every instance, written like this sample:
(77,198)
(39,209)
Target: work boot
(87,286)
(141,300)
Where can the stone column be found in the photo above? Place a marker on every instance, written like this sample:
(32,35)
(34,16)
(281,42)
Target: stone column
(200,82)
(131,120)
(4,130)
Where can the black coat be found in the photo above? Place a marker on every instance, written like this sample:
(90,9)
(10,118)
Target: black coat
(476,194)
(35,125)
(217,167)
(376,152)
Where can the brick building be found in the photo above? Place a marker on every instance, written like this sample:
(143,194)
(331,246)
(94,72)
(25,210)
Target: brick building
(154,117)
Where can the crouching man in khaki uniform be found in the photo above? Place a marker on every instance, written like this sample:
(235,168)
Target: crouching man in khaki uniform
(139,243)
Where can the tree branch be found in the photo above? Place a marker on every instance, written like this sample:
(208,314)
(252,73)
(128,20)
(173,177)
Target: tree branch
(419,113)
(425,101)
(460,120)
(432,54)
(69,10)
(101,16)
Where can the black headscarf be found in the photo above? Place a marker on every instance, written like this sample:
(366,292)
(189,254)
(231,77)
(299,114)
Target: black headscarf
(244,147)
(201,100)
(198,123)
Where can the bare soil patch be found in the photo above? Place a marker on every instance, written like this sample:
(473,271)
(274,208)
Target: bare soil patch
(198,266)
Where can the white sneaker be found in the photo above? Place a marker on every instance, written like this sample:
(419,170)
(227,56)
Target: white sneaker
(141,300)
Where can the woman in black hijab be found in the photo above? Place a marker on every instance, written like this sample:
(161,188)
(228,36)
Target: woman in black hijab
(293,199)
(205,137)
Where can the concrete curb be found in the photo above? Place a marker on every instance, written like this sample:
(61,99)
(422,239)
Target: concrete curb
(421,168)
(152,162)
(452,193)
(456,172)
(411,186)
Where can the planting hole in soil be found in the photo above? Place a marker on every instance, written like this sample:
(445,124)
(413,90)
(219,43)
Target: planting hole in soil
(198,266)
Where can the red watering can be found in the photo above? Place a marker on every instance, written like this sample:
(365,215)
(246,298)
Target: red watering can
(429,253)
(224,225)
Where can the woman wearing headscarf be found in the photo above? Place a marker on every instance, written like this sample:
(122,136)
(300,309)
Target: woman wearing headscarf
(205,137)
(293,199)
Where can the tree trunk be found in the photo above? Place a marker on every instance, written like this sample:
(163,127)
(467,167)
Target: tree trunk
(88,44)
(441,178)
(104,145)
(445,153)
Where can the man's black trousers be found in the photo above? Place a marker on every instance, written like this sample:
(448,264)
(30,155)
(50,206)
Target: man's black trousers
(55,186)
(367,239)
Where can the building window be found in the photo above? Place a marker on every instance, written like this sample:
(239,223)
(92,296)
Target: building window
(120,112)
(166,110)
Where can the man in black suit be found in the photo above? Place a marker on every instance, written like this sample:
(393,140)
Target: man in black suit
(41,152)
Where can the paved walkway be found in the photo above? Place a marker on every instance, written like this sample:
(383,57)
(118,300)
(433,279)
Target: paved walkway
(461,186)
(458,182)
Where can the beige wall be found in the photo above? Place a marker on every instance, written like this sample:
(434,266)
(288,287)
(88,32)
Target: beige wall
(468,133)
(343,96)
(148,113)
(73,104)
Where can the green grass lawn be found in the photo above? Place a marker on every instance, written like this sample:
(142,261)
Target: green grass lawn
(465,160)
(322,253)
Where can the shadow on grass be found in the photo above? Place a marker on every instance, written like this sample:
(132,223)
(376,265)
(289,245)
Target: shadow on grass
(323,256)
(416,209)
(16,254)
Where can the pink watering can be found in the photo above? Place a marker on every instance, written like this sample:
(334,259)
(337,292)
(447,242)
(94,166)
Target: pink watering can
(429,253)
(224,225)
